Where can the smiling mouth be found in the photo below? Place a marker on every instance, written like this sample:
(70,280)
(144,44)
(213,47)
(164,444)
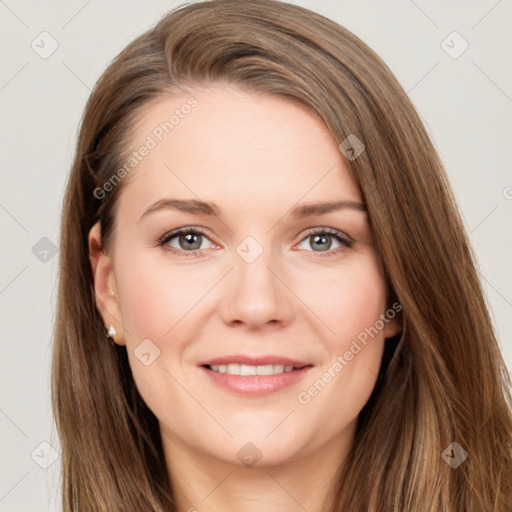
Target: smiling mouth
(247,370)
(252,380)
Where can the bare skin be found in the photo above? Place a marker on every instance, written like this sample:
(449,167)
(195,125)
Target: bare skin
(257,158)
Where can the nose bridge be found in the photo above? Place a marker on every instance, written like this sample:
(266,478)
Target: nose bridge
(255,295)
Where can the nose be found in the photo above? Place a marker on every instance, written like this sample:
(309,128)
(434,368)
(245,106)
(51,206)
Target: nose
(256,295)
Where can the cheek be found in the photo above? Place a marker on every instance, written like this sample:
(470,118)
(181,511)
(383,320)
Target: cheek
(155,296)
(154,301)
(348,300)
(350,305)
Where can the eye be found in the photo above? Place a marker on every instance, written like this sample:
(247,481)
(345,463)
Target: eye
(192,241)
(321,241)
(186,241)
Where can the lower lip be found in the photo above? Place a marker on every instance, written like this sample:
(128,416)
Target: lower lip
(256,385)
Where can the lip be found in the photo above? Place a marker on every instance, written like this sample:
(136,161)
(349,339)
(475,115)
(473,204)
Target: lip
(255,385)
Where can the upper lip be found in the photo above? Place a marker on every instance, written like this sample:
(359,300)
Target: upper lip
(255,361)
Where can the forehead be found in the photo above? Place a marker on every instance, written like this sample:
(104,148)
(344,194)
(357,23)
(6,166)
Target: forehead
(234,147)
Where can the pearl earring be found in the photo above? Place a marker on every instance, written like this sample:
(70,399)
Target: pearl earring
(111,332)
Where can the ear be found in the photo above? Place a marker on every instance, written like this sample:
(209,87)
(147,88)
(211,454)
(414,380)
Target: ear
(394,323)
(105,289)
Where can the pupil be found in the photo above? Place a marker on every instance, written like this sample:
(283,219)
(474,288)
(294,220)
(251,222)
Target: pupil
(190,238)
(322,239)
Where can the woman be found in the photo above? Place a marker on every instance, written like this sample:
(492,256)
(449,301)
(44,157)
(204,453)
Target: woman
(258,222)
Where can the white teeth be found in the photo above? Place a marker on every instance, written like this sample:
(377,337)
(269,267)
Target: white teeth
(233,369)
(245,369)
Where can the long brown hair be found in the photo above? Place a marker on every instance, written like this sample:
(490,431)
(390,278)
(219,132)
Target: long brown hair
(447,382)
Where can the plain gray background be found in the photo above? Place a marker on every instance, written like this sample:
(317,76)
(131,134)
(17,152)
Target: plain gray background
(464,98)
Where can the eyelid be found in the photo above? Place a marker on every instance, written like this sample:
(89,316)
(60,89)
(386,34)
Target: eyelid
(179,231)
(329,231)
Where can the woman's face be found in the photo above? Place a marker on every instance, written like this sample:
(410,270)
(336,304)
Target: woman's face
(259,282)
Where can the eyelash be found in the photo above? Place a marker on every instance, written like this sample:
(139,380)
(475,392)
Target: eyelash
(345,241)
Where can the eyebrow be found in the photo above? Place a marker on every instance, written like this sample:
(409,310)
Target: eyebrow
(306,210)
(196,206)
